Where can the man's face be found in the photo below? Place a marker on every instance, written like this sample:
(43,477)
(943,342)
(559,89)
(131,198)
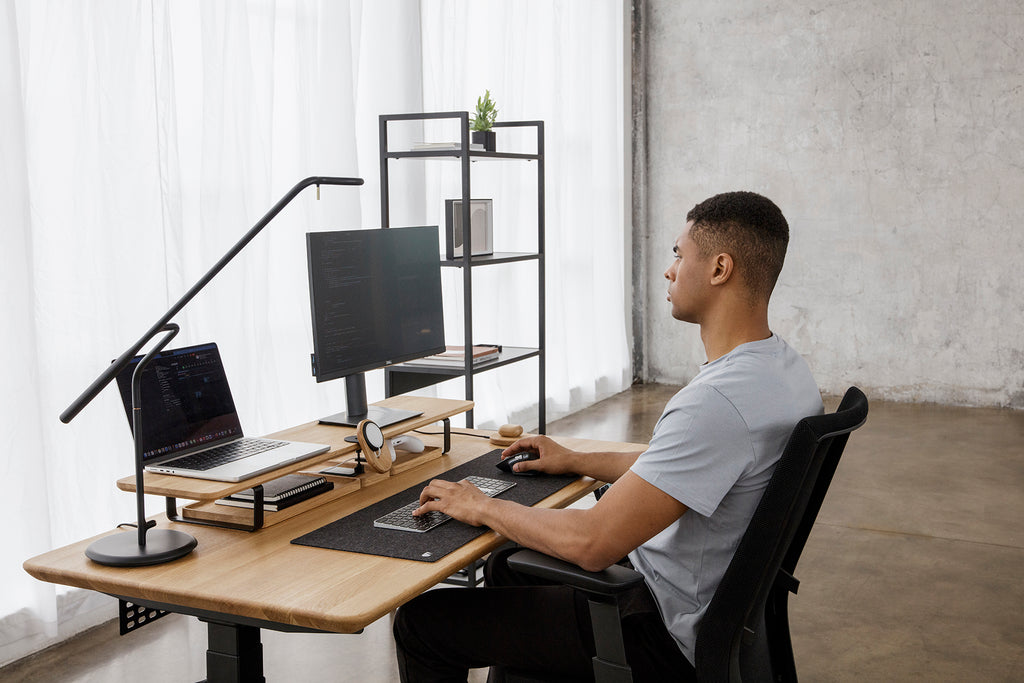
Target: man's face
(688,279)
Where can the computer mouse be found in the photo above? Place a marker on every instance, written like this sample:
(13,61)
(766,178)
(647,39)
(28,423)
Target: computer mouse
(506,464)
(408,443)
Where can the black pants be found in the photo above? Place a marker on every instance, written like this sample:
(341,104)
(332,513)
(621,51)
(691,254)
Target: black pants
(520,622)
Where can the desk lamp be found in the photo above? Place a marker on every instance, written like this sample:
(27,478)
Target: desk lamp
(155,546)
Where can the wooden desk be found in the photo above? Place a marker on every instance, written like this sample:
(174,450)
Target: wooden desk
(247,581)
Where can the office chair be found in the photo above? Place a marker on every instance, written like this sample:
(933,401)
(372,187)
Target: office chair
(744,635)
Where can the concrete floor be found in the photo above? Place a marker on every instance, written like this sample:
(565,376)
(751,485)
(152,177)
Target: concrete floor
(913,571)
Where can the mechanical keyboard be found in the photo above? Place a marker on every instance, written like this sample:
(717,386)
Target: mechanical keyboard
(402,519)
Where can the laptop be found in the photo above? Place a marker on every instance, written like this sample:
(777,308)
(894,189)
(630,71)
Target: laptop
(189,424)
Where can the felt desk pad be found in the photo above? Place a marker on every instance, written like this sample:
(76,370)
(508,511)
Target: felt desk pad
(356,533)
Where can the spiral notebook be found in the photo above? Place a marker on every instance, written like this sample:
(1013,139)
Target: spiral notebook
(281,492)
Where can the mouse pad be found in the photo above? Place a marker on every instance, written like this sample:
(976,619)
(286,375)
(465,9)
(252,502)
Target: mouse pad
(356,533)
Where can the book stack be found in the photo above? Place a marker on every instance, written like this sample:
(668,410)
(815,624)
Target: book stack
(281,492)
(455,356)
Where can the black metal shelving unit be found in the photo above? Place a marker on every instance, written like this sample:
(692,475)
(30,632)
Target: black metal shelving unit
(402,378)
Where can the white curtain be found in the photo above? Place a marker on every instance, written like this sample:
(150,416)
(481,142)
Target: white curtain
(562,63)
(140,140)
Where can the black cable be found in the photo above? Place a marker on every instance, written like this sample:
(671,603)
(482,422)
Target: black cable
(149,524)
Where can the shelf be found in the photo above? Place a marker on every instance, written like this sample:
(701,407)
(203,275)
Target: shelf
(491,259)
(406,377)
(509,354)
(433,410)
(206,512)
(210,511)
(455,154)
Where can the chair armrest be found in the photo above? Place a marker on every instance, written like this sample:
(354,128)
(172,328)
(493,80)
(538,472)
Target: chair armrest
(610,581)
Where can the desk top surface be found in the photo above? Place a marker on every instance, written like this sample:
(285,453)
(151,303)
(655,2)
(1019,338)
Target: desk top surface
(263,576)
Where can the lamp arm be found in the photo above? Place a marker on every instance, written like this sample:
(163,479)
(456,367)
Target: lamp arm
(114,368)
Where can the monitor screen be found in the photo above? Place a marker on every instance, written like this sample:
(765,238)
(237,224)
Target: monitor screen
(375,296)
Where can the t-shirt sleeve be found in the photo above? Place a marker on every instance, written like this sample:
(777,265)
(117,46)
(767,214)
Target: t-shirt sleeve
(700,448)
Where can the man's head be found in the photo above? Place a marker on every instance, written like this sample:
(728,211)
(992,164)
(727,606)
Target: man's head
(748,227)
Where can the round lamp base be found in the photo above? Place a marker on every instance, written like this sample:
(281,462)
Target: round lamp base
(123,550)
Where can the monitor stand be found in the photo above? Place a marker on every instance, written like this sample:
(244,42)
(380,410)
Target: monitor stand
(355,393)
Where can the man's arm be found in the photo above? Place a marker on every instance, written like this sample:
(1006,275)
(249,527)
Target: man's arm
(557,459)
(631,512)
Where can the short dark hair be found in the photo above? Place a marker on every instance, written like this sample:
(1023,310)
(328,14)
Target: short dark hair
(748,227)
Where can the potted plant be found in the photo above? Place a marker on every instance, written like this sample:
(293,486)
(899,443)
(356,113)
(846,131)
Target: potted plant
(482,122)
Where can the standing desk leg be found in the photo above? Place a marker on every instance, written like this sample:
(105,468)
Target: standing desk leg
(235,654)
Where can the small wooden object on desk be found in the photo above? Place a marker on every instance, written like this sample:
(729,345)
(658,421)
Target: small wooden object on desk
(507,435)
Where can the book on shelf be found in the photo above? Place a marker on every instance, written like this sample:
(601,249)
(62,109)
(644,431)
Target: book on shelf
(455,356)
(281,492)
(445,146)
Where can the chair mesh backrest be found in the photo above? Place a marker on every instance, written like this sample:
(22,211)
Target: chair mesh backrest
(782,521)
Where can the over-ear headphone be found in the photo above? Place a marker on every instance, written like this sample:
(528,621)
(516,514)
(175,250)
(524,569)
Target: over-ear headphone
(371,443)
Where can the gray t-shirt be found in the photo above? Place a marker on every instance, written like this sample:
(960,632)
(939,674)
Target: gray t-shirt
(714,450)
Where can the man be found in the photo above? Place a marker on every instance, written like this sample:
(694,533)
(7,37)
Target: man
(678,509)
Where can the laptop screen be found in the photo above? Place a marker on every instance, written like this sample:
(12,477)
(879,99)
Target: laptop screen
(186,402)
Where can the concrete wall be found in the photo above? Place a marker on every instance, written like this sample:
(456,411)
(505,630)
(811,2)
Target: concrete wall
(890,135)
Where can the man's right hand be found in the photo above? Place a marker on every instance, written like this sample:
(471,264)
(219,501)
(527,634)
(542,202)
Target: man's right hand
(554,458)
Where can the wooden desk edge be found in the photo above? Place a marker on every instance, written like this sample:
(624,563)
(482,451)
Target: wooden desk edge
(69,566)
(43,568)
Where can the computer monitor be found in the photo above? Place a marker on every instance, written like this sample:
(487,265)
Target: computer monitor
(375,296)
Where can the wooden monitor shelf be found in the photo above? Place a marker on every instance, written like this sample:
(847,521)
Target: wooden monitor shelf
(206,511)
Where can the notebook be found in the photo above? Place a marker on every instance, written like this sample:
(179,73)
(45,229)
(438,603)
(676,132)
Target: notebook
(189,424)
(281,493)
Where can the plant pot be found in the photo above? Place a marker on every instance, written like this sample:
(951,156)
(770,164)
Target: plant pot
(485,138)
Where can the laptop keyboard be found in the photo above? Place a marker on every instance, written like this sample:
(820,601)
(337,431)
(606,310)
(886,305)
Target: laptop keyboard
(229,452)
(402,519)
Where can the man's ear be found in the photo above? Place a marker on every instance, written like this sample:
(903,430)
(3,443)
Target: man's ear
(723,269)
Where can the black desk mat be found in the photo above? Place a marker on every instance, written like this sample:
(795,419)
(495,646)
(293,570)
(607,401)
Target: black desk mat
(356,533)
